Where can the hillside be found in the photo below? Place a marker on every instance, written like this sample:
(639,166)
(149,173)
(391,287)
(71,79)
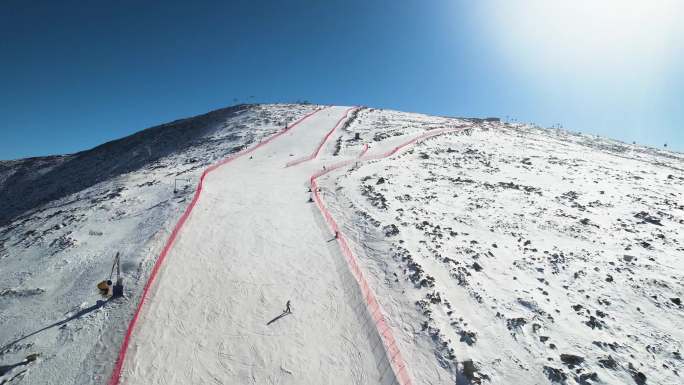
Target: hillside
(437,251)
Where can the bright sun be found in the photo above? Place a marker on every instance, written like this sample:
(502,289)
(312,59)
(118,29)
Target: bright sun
(592,35)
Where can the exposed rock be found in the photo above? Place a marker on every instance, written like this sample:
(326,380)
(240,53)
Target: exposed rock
(555,375)
(648,218)
(20,292)
(571,360)
(476,266)
(608,363)
(468,337)
(587,378)
(595,323)
(515,323)
(390,230)
(472,373)
(637,376)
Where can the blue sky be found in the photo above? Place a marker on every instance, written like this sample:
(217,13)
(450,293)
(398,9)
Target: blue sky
(76,74)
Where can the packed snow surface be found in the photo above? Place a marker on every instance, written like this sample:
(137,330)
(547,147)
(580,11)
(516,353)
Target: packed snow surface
(500,254)
(252,244)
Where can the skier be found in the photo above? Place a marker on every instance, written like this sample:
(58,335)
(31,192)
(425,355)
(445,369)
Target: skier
(287,307)
(337,234)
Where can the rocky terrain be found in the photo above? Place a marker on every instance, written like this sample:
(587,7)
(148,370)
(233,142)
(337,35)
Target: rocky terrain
(501,253)
(63,218)
(525,255)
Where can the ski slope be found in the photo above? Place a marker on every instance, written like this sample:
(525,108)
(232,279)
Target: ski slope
(470,251)
(252,243)
(62,219)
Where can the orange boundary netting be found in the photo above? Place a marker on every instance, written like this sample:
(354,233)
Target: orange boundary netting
(314,154)
(393,352)
(118,366)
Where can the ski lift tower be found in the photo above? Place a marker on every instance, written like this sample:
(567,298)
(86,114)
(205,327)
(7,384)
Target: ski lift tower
(117,290)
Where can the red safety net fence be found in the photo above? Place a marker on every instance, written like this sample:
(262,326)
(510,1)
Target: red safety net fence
(118,366)
(314,154)
(377,315)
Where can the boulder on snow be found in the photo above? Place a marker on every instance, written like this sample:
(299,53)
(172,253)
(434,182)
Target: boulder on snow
(637,376)
(608,362)
(648,218)
(554,374)
(476,266)
(587,378)
(390,230)
(472,373)
(571,360)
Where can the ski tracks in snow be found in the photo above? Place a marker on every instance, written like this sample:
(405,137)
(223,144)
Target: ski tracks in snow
(248,248)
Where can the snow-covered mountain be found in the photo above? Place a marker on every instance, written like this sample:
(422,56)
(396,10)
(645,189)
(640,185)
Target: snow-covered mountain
(497,253)
(64,218)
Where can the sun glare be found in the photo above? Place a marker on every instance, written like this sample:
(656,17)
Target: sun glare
(586,34)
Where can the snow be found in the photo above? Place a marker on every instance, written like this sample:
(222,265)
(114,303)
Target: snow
(251,244)
(499,254)
(515,226)
(54,251)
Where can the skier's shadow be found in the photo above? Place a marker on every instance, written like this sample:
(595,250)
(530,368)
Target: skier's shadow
(79,314)
(4,369)
(283,314)
(7,368)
